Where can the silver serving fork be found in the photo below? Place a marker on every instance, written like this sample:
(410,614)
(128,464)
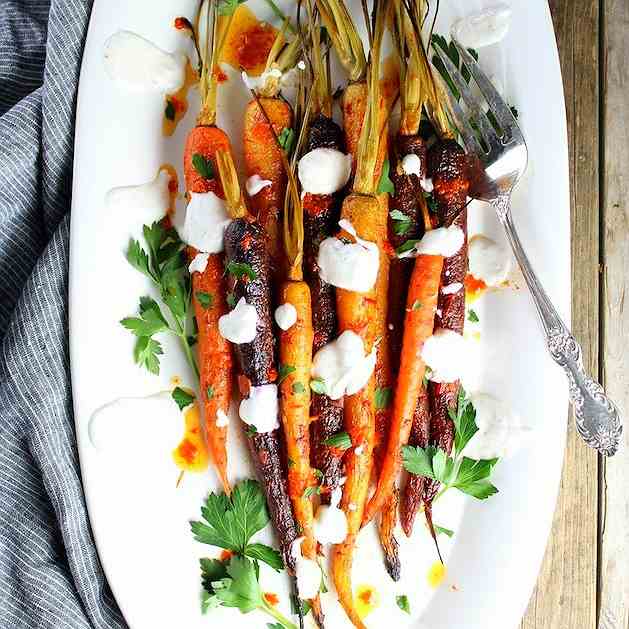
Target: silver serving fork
(498,163)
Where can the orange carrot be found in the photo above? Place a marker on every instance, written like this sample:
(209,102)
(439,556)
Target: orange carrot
(215,357)
(421,305)
(295,361)
(263,158)
(357,312)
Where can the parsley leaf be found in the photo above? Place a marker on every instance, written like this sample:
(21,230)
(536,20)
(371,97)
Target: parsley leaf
(440,530)
(318,386)
(206,300)
(385,184)
(285,371)
(401,223)
(402,603)
(286,139)
(231,300)
(340,440)
(419,460)
(150,322)
(383,397)
(298,387)
(312,490)
(416,305)
(138,259)
(182,398)
(472,316)
(240,270)
(464,419)
(210,392)
(407,246)
(203,166)
(146,354)
(230,523)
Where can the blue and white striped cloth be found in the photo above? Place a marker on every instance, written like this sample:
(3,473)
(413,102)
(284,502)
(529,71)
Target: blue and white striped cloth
(50,575)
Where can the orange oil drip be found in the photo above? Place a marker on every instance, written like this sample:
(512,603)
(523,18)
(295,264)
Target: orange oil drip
(366,600)
(176,105)
(191,454)
(248,42)
(436,574)
(474,288)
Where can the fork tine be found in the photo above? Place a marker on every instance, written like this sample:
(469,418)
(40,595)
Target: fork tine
(496,103)
(488,133)
(462,124)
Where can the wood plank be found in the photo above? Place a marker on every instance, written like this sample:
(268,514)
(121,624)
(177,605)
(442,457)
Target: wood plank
(565,595)
(613,562)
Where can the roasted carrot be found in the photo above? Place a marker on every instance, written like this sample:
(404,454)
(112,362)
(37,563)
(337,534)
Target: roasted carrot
(262,153)
(214,352)
(421,305)
(263,158)
(358,311)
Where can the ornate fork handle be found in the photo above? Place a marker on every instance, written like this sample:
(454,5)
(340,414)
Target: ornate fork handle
(596,416)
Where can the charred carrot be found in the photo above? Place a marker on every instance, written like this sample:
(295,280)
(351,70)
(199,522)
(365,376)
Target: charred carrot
(249,277)
(448,167)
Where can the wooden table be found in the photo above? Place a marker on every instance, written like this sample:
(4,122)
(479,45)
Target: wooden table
(584,582)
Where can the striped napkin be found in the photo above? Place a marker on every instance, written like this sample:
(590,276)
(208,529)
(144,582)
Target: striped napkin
(50,575)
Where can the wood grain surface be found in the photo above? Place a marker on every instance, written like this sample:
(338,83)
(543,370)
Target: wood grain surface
(584,582)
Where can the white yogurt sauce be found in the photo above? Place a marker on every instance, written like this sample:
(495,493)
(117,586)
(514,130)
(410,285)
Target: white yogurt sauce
(352,266)
(450,289)
(285,316)
(427,185)
(330,523)
(222,421)
(257,82)
(256,184)
(147,202)
(120,424)
(443,241)
(205,222)
(199,263)
(445,353)
(324,171)
(239,325)
(488,260)
(260,409)
(307,572)
(137,64)
(500,430)
(412,165)
(484,28)
(343,365)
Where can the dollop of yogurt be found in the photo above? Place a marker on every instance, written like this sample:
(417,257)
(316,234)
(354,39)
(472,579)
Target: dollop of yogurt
(412,165)
(261,408)
(256,184)
(330,524)
(137,64)
(285,316)
(324,171)
(205,222)
(445,353)
(352,266)
(307,572)
(199,263)
(500,430)
(343,365)
(488,260)
(222,420)
(134,418)
(443,241)
(484,28)
(451,289)
(258,82)
(239,325)
(148,201)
